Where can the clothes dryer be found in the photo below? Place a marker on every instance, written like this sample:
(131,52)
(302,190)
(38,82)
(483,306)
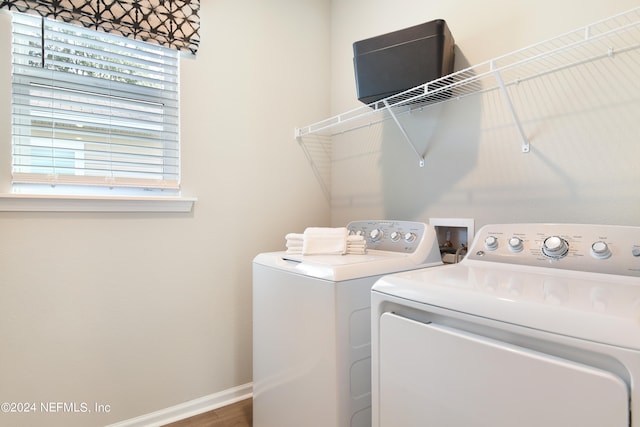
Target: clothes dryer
(312,326)
(538,326)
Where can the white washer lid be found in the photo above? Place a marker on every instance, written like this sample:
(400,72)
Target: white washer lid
(591,306)
(341,267)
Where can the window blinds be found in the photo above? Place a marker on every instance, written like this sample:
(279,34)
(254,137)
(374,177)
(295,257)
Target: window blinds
(90,108)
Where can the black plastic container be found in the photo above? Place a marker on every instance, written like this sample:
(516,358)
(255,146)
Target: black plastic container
(392,63)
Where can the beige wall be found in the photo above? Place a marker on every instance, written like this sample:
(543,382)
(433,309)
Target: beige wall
(143,311)
(582,125)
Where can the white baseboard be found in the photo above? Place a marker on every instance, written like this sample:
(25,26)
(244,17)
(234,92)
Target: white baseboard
(190,408)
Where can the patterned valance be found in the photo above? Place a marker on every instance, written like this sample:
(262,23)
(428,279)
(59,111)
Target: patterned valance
(171,23)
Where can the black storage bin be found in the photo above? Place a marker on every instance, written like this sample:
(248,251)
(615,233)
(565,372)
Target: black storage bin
(392,63)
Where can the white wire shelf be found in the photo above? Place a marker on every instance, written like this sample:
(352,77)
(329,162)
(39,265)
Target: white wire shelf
(597,41)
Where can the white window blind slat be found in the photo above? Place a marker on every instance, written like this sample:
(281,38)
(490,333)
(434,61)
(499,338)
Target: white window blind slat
(101,111)
(145,86)
(96,110)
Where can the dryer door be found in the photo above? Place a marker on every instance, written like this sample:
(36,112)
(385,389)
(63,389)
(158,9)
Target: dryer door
(433,375)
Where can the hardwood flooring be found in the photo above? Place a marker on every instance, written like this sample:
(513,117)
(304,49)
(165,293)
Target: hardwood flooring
(239,414)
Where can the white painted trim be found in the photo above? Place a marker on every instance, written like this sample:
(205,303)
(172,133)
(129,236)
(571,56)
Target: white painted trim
(190,408)
(55,203)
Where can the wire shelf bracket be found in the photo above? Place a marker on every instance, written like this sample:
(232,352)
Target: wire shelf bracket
(512,110)
(404,133)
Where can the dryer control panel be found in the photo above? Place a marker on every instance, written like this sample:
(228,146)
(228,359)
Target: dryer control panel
(391,236)
(606,249)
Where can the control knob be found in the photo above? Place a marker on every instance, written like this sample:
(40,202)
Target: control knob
(555,247)
(515,244)
(600,250)
(375,234)
(491,243)
(395,236)
(409,237)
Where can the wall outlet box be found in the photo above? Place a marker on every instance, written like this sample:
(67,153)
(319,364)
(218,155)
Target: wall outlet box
(454,236)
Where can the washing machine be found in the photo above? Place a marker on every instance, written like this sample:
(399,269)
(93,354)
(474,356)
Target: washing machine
(538,326)
(312,330)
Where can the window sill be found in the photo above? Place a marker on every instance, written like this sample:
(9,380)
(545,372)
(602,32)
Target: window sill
(56,203)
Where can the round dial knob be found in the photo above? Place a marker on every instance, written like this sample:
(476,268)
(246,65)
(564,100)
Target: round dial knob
(635,252)
(409,237)
(395,236)
(491,243)
(555,247)
(600,250)
(375,234)
(515,244)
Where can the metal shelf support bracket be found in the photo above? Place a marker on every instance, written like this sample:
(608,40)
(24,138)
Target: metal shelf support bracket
(507,99)
(404,133)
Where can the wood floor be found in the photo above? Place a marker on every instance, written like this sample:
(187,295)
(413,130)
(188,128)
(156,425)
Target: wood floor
(239,414)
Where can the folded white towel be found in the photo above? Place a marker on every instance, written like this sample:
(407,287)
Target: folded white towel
(323,240)
(356,251)
(356,245)
(294,236)
(294,243)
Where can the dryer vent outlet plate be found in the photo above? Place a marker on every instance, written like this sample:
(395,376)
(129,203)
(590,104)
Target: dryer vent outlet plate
(454,236)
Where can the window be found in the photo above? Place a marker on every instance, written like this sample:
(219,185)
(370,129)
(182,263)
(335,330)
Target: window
(93,113)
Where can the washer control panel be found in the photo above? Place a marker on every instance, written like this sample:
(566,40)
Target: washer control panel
(607,249)
(392,236)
